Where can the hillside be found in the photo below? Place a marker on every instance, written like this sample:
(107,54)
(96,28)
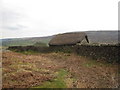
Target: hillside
(94,37)
(25,41)
(103,36)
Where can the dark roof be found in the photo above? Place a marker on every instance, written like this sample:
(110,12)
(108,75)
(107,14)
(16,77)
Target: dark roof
(68,38)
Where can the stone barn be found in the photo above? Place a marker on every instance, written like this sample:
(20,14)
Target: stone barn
(68,39)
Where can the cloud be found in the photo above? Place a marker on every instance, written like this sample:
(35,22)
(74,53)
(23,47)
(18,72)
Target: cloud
(10,16)
(21,18)
(15,27)
(11,20)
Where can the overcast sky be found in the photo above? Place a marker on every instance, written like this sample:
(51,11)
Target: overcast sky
(33,18)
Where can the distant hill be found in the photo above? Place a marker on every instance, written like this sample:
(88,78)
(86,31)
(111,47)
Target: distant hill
(94,37)
(25,41)
(109,37)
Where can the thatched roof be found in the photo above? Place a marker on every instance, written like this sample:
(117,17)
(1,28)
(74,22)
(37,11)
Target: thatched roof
(68,38)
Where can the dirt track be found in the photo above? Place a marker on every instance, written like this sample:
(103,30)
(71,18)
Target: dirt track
(25,71)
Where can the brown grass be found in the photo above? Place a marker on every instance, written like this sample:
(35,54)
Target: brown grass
(22,71)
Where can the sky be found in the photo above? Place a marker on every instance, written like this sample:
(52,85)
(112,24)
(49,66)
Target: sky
(36,18)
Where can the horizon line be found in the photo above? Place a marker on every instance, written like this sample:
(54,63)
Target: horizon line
(55,34)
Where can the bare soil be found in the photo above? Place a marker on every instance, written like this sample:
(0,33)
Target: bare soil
(32,70)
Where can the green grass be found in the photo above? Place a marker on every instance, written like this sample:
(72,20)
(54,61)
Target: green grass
(26,52)
(40,44)
(58,82)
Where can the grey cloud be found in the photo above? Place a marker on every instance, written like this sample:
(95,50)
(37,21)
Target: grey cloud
(15,27)
(11,20)
(11,28)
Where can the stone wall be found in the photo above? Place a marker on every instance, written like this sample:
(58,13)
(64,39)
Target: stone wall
(108,53)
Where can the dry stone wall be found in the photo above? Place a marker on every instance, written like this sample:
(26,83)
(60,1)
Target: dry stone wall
(109,53)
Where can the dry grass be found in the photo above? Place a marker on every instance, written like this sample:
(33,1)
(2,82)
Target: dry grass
(39,70)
